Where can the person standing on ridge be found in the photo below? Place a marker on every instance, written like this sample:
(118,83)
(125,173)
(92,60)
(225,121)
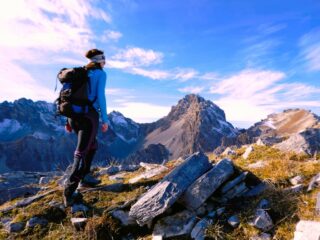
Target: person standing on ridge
(86,126)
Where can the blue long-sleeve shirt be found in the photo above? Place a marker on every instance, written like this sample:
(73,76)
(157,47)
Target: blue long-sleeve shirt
(98,78)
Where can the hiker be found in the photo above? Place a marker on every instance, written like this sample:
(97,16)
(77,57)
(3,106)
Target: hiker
(86,126)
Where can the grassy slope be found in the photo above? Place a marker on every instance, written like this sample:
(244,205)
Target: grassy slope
(287,208)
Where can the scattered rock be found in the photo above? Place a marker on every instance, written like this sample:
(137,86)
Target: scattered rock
(258,164)
(79,223)
(12,193)
(220,211)
(161,196)
(262,236)
(264,204)
(26,201)
(296,180)
(234,221)
(256,190)
(79,208)
(227,186)
(236,191)
(36,221)
(201,211)
(118,176)
(263,221)
(124,217)
(118,168)
(307,230)
(57,205)
(149,173)
(207,184)
(259,142)
(318,204)
(247,152)
(11,227)
(198,232)
(315,181)
(176,225)
(44,180)
(296,189)
(228,152)
(116,187)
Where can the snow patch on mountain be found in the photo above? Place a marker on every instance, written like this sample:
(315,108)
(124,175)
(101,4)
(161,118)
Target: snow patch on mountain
(9,126)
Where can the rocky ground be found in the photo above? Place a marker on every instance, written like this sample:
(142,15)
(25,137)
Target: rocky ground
(255,192)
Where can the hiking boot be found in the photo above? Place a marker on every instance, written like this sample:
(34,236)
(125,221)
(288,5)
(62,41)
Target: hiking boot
(68,200)
(77,196)
(89,181)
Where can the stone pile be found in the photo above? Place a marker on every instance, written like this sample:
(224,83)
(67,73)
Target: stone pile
(201,189)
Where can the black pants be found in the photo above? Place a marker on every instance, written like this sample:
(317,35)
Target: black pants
(86,129)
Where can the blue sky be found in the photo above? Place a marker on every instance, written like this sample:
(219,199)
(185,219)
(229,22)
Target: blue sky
(251,58)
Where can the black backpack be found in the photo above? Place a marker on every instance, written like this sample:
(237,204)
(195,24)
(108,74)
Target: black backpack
(73,97)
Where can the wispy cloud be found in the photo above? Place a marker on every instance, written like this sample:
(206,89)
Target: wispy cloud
(191,89)
(252,94)
(141,112)
(43,32)
(310,44)
(111,35)
(136,57)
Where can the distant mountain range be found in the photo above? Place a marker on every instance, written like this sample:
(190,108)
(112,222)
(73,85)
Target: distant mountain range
(33,139)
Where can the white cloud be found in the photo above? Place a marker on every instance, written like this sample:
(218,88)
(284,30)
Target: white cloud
(210,76)
(310,44)
(141,112)
(251,95)
(23,85)
(191,89)
(185,74)
(137,57)
(153,74)
(111,35)
(41,33)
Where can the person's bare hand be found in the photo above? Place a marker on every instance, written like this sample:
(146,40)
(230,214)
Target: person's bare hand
(104,127)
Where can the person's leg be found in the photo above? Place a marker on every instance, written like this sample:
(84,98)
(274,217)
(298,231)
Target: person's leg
(93,117)
(83,128)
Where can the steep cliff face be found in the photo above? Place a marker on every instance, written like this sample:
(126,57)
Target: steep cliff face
(194,124)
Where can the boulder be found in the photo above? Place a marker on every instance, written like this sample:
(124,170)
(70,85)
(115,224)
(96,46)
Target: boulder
(264,204)
(230,184)
(307,230)
(44,180)
(162,195)
(79,208)
(110,170)
(236,191)
(296,180)
(79,223)
(124,217)
(315,181)
(179,224)
(296,189)
(256,190)
(234,221)
(12,227)
(247,152)
(207,184)
(198,232)
(263,221)
(228,151)
(36,221)
(258,164)
(149,173)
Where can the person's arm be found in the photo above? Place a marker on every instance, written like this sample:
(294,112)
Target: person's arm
(102,97)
